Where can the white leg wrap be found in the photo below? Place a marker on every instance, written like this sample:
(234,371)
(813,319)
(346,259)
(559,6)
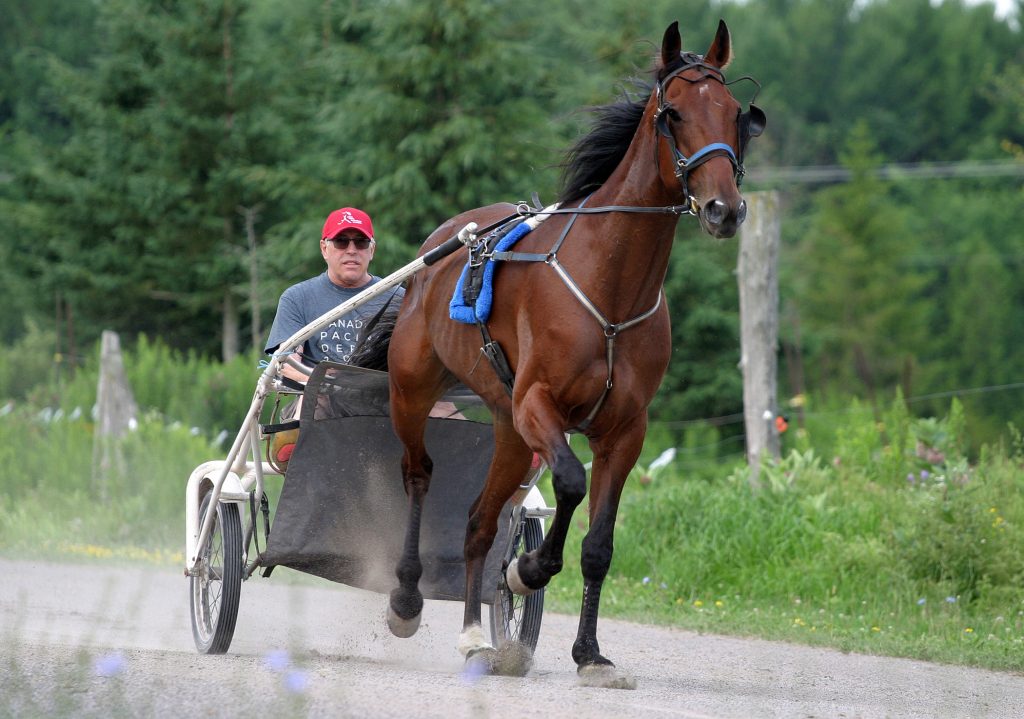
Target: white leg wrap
(473,639)
(514,582)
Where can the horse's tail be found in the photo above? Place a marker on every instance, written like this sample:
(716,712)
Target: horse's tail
(372,350)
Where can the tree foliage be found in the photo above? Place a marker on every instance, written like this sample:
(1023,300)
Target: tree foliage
(137,137)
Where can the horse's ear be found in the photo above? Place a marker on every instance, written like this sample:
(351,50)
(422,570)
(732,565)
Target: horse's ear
(720,52)
(671,45)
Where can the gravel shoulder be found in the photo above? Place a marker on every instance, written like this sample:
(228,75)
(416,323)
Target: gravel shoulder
(97,639)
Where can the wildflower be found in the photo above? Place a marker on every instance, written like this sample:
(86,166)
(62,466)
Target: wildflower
(277,660)
(911,478)
(925,474)
(296,681)
(921,602)
(876,629)
(110,665)
(646,581)
(968,630)
(951,600)
(472,671)
(698,603)
(719,603)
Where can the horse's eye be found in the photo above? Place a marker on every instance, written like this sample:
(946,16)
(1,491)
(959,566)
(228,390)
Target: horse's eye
(674,114)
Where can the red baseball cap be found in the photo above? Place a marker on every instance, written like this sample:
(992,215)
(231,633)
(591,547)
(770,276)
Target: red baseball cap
(345,219)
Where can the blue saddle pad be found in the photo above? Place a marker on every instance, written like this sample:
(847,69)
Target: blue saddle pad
(458,310)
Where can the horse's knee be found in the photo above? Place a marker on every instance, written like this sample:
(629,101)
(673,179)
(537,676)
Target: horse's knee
(416,474)
(568,479)
(478,538)
(596,555)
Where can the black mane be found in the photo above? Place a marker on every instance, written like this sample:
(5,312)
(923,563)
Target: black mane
(592,159)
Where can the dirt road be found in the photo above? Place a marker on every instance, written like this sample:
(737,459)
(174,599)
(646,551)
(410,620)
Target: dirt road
(98,640)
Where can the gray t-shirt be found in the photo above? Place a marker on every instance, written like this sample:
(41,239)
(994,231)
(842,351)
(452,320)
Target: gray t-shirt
(302,303)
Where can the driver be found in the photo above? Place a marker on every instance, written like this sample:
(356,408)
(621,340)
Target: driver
(347,245)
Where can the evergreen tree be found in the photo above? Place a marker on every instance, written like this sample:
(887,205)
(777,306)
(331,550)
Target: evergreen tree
(442,111)
(849,275)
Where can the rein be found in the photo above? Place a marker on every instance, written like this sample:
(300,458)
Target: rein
(611,330)
(749,124)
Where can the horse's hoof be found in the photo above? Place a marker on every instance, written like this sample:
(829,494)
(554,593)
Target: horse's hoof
(513,659)
(403,628)
(480,663)
(514,582)
(605,676)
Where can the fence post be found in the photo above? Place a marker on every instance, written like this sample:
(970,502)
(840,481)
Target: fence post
(116,413)
(757,275)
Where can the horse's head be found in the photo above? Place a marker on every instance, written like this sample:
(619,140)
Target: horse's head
(703,131)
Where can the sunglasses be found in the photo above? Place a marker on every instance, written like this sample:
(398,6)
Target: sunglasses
(341,243)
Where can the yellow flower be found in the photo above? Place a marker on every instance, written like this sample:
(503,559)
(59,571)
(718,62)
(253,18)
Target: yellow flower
(719,603)
(698,603)
(875,629)
(968,631)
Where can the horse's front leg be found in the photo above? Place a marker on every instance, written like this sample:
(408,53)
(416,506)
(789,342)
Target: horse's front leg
(540,425)
(614,456)
(509,466)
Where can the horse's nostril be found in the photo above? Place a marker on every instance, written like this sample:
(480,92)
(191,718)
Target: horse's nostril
(741,214)
(714,212)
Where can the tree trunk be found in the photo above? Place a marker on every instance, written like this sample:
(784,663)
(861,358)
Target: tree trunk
(229,328)
(250,214)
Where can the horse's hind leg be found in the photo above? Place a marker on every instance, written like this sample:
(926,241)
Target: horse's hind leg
(416,382)
(541,427)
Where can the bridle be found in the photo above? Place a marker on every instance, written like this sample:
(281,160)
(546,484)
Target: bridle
(749,124)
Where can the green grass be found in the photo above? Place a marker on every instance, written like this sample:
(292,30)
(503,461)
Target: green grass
(852,555)
(873,536)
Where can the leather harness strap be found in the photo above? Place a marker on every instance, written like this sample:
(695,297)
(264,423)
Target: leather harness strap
(492,350)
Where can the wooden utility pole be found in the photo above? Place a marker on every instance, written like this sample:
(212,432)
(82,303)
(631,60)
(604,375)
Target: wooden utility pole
(758,277)
(116,413)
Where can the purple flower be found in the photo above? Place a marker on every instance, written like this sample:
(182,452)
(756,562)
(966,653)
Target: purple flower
(951,600)
(921,601)
(277,660)
(911,478)
(110,665)
(925,474)
(296,681)
(472,671)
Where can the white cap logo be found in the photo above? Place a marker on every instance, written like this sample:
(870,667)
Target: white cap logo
(347,217)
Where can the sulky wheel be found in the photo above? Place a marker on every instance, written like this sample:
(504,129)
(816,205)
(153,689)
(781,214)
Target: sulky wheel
(515,618)
(217,583)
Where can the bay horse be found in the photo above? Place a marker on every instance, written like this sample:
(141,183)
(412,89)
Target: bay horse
(588,344)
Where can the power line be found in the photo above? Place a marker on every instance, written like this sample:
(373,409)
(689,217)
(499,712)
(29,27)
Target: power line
(823,174)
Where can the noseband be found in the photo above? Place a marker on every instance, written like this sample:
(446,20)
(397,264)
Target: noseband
(749,124)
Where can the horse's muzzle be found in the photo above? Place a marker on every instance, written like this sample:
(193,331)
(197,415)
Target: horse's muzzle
(721,220)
